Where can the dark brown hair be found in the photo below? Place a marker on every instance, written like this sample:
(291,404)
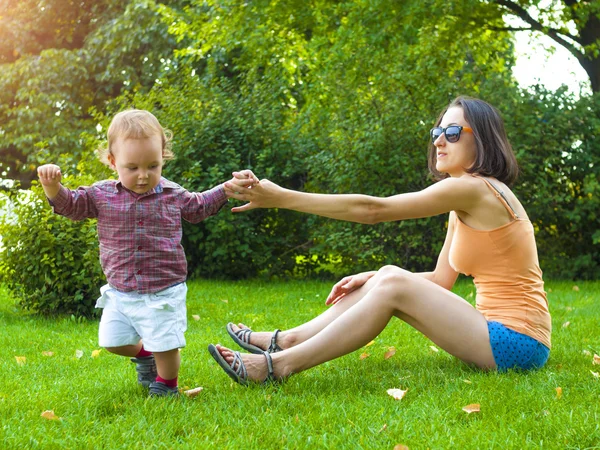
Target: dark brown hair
(494,154)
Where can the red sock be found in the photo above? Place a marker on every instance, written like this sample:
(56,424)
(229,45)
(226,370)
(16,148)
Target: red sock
(171,383)
(143,352)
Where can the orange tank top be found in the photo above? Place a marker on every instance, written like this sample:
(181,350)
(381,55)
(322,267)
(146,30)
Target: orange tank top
(505,269)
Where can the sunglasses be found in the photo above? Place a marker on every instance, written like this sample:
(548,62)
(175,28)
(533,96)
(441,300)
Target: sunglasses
(452,132)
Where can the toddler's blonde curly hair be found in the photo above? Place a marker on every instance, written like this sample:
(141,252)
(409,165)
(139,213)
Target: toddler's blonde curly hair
(135,124)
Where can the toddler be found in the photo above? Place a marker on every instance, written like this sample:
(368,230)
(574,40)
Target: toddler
(139,230)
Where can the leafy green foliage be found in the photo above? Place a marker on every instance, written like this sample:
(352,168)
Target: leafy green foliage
(50,263)
(48,94)
(332,97)
(221,132)
(29,26)
(556,141)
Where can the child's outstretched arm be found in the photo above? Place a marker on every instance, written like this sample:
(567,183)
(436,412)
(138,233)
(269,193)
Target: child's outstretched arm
(50,176)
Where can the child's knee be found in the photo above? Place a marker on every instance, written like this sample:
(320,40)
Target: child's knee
(113,349)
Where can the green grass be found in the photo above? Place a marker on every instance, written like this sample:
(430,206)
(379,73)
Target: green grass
(341,404)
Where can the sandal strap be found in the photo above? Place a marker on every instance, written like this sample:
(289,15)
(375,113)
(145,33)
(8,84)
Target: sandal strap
(244,334)
(274,348)
(240,370)
(270,375)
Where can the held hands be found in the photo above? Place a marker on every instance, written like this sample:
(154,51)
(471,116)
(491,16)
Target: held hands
(346,285)
(240,182)
(49,175)
(245,186)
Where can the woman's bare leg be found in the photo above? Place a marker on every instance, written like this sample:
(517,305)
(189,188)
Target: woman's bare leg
(294,336)
(449,321)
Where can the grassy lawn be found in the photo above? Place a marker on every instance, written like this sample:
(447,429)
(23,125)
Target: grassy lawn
(341,404)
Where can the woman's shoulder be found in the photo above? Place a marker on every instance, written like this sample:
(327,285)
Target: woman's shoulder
(466,185)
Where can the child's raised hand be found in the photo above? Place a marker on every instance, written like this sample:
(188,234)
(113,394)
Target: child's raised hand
(49,175)
(247,175)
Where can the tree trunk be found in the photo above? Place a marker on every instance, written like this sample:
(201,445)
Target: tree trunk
(590,34)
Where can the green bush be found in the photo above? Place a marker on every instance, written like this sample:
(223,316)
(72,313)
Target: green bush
(50,263)
(555,137)
(217,130)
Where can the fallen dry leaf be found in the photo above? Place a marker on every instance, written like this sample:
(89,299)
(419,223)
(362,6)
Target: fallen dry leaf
(49,414)
(596,359)
(225,300)
(472,408)
(467,381)
(558,392)
(370,343)
(400,447)
(587,352)
(193,392)
(433,348)
(96,353)
(576,288)
(391,352)
(47,353)
(398,394)
(364,356)
(383,428)
(196,317)
(566,324)
(78,353)
(21,360)
(596,374)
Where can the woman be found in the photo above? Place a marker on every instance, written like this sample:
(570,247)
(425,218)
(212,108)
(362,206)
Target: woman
(489,237)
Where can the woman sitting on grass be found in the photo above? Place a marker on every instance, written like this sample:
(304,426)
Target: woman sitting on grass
(489,237)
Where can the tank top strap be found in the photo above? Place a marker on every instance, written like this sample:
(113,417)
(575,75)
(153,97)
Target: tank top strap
(500,195)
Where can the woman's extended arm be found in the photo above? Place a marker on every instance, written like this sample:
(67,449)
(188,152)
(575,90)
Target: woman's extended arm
(446,195)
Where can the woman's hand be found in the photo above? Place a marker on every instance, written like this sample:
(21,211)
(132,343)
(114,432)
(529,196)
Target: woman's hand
(258,194)
(346,285)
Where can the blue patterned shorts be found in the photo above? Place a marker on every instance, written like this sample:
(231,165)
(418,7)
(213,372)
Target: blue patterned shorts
(514,350)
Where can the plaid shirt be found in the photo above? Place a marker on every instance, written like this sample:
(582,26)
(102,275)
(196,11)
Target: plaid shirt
(140,234)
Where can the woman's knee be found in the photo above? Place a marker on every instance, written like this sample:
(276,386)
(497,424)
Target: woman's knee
(393,284)
(393,276)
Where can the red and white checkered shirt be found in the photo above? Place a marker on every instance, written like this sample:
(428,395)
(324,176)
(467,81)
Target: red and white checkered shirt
(140,234)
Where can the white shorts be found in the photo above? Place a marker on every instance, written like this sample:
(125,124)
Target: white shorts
(158,319)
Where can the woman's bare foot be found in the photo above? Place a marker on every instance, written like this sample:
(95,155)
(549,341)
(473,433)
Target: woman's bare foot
(256,365)
(262,339)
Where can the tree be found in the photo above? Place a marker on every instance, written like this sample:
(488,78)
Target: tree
(63,60)
(331,97)
(553,20)
(29,26)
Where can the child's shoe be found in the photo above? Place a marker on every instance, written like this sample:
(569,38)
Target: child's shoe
(158,389)
(145,367)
